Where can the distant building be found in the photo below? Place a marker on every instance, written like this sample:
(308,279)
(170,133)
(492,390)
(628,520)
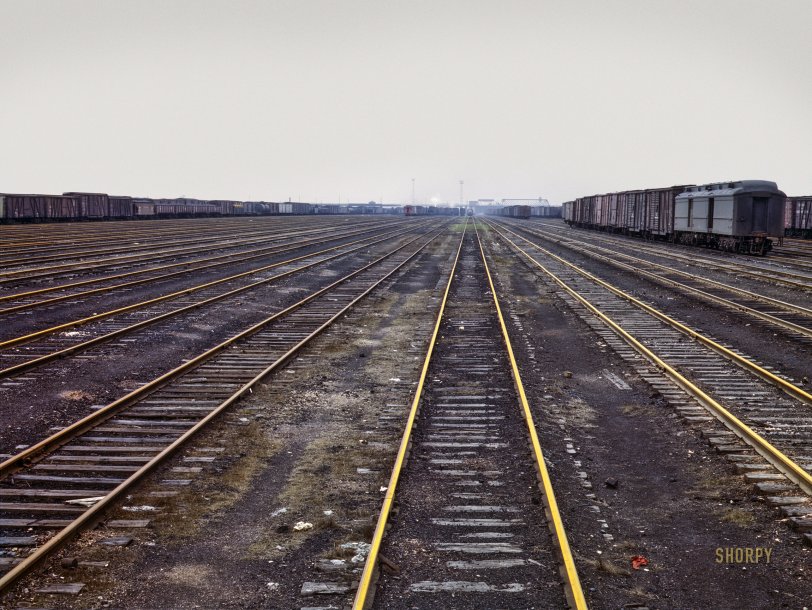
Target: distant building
(537,201)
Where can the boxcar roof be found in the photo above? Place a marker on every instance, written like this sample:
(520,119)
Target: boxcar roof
(737,187)
(35,195)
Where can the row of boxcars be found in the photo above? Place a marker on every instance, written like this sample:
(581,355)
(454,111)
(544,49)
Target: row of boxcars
(90,206)
(432,210)
(510,211)
(525,211)
(733,216)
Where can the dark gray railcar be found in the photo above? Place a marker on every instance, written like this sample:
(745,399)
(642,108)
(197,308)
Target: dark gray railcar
(736,216)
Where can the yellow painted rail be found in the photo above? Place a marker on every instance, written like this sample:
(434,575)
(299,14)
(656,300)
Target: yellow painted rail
(96,513)
(772,378)
(372,559)
(777,458)
(574,590)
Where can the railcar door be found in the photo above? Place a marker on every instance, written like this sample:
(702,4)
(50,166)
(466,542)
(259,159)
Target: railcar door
(759,214)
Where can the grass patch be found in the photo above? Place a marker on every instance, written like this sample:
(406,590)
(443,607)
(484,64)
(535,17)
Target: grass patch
(607,566)
(636,410)
(183,514)
(640,592)
(739,517)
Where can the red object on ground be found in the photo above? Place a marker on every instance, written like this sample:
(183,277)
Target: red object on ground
(638,561)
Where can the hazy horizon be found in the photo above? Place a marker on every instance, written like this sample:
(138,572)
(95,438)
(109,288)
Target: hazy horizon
(320,100)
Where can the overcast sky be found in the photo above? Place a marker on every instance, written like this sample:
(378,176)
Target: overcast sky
(317,99)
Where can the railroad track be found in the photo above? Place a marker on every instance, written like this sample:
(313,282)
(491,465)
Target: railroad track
(29,351)
(735,265)
(470,529)
(108,453)
(797,248)
(58,236)
(30,299)
(769,415)
(125,244)
(787,316)
(113,263)
(55,236)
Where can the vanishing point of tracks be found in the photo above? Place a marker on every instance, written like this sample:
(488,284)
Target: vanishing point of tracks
(471,528)
(469,517)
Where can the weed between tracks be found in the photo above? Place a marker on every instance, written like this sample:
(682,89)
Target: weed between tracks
(739,517)
(184,515)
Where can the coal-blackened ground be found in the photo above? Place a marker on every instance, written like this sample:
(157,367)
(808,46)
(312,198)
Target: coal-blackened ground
(316,442)
(660,491)
(65,390)
(313,444)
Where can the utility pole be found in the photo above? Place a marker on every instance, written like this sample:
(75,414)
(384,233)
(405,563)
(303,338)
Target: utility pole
(412,191)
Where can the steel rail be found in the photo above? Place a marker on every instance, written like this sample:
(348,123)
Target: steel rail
(21,275)
(75,248)
(780,382)
(774,456)
(751,270)
(52,442)
(179,243)
(797,309)
(95,513)
(791,259)
(574,591)
(173,295)
(201,264)
(73,349)
(370,567)
(84,243)
(167,243)
(575,594)
(76,230)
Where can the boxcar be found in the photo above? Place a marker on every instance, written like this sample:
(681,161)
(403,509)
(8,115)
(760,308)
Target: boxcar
(38,207)
(120,206)
(546,211)
(143,208)
(798,216)
(225,207)
(518,211)
(511,211)
(92,205)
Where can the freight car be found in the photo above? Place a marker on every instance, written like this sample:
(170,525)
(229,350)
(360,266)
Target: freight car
(511,211)
(15,207)
(798,217)
(733,216)
(431,210)
(545,211)
(92,205)
(120,206)
(414,210)
(143,208)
